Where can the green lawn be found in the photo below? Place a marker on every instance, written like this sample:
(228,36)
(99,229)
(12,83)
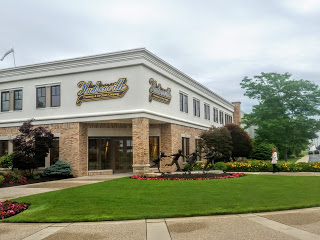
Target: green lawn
(138,199)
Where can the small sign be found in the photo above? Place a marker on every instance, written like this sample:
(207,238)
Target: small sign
(99,91)
(157,93)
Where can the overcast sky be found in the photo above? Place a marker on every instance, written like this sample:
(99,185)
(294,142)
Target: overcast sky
(215,42)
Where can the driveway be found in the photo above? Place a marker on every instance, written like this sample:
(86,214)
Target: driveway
(314,158)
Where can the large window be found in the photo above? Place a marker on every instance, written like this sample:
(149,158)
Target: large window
(153,148)
(41,97)
(54,151)
(185,147)
(206,111)
(55,96)
(4,147)
(18,100)
(5,101)
(196,107)
(183,102)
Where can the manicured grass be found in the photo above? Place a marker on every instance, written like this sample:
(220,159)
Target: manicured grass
(138,199)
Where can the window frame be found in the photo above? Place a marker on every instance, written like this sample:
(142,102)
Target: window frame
(15,99)
(45,97)
(196,107)
(51,95)
(183,101)
(206,111)
(2,101)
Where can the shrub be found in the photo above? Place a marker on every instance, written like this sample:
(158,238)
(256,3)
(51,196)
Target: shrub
(33,143)
(14,177)
(220,166)
(220,140)
(59,168)
(6,161)
(1,179)
(242,143)
(262,151)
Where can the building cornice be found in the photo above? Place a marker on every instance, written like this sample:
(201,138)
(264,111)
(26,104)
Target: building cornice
(99,62)
(104,116)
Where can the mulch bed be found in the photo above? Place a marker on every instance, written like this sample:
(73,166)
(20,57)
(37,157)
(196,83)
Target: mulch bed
(30,180)
(196,176)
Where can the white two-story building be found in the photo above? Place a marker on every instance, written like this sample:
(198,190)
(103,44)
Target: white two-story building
(111,112)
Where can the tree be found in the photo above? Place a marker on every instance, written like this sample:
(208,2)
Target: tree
(286,110)
(31,146)
(219,139)
(242,143)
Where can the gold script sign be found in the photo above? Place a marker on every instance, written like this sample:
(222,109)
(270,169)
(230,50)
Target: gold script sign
(99,91)
(157,93)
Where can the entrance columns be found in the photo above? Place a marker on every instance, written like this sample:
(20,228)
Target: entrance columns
(140,137)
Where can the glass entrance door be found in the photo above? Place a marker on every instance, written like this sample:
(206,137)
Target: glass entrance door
(110,153)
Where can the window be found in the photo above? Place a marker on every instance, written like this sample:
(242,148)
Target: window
(54,151)
(228,118)
(185,147)
(41,97)
(4,147)
(17,100)
(5,101)
(183,102)
(55,96)
(221,117)
(215,115)
(153,148)
(206,111)
(196,107)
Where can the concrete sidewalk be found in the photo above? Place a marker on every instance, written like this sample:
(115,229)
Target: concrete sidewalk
(305,158)
(282,225)
(31,189)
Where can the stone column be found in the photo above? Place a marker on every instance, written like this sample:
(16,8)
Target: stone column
(140,137)
(237,113)
(73,147)
(166,146)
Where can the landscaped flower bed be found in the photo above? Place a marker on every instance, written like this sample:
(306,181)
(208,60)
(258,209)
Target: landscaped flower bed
(186,177)
(266,166)
(10,208)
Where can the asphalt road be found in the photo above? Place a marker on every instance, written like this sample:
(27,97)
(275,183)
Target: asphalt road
(314,158)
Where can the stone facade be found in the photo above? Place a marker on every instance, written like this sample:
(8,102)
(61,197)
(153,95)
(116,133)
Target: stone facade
(73,142)
(171,141)
(237,113)
(140,138)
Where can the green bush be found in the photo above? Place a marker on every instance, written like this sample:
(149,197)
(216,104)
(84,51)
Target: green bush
(59,168)
(262,151)
(220,166)
(37,176)
(6,161)
(1,179)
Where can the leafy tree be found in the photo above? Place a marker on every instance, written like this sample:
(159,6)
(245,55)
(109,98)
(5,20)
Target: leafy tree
(262,150)
(242,143)
(286,110)
(31,146)
(219,139)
